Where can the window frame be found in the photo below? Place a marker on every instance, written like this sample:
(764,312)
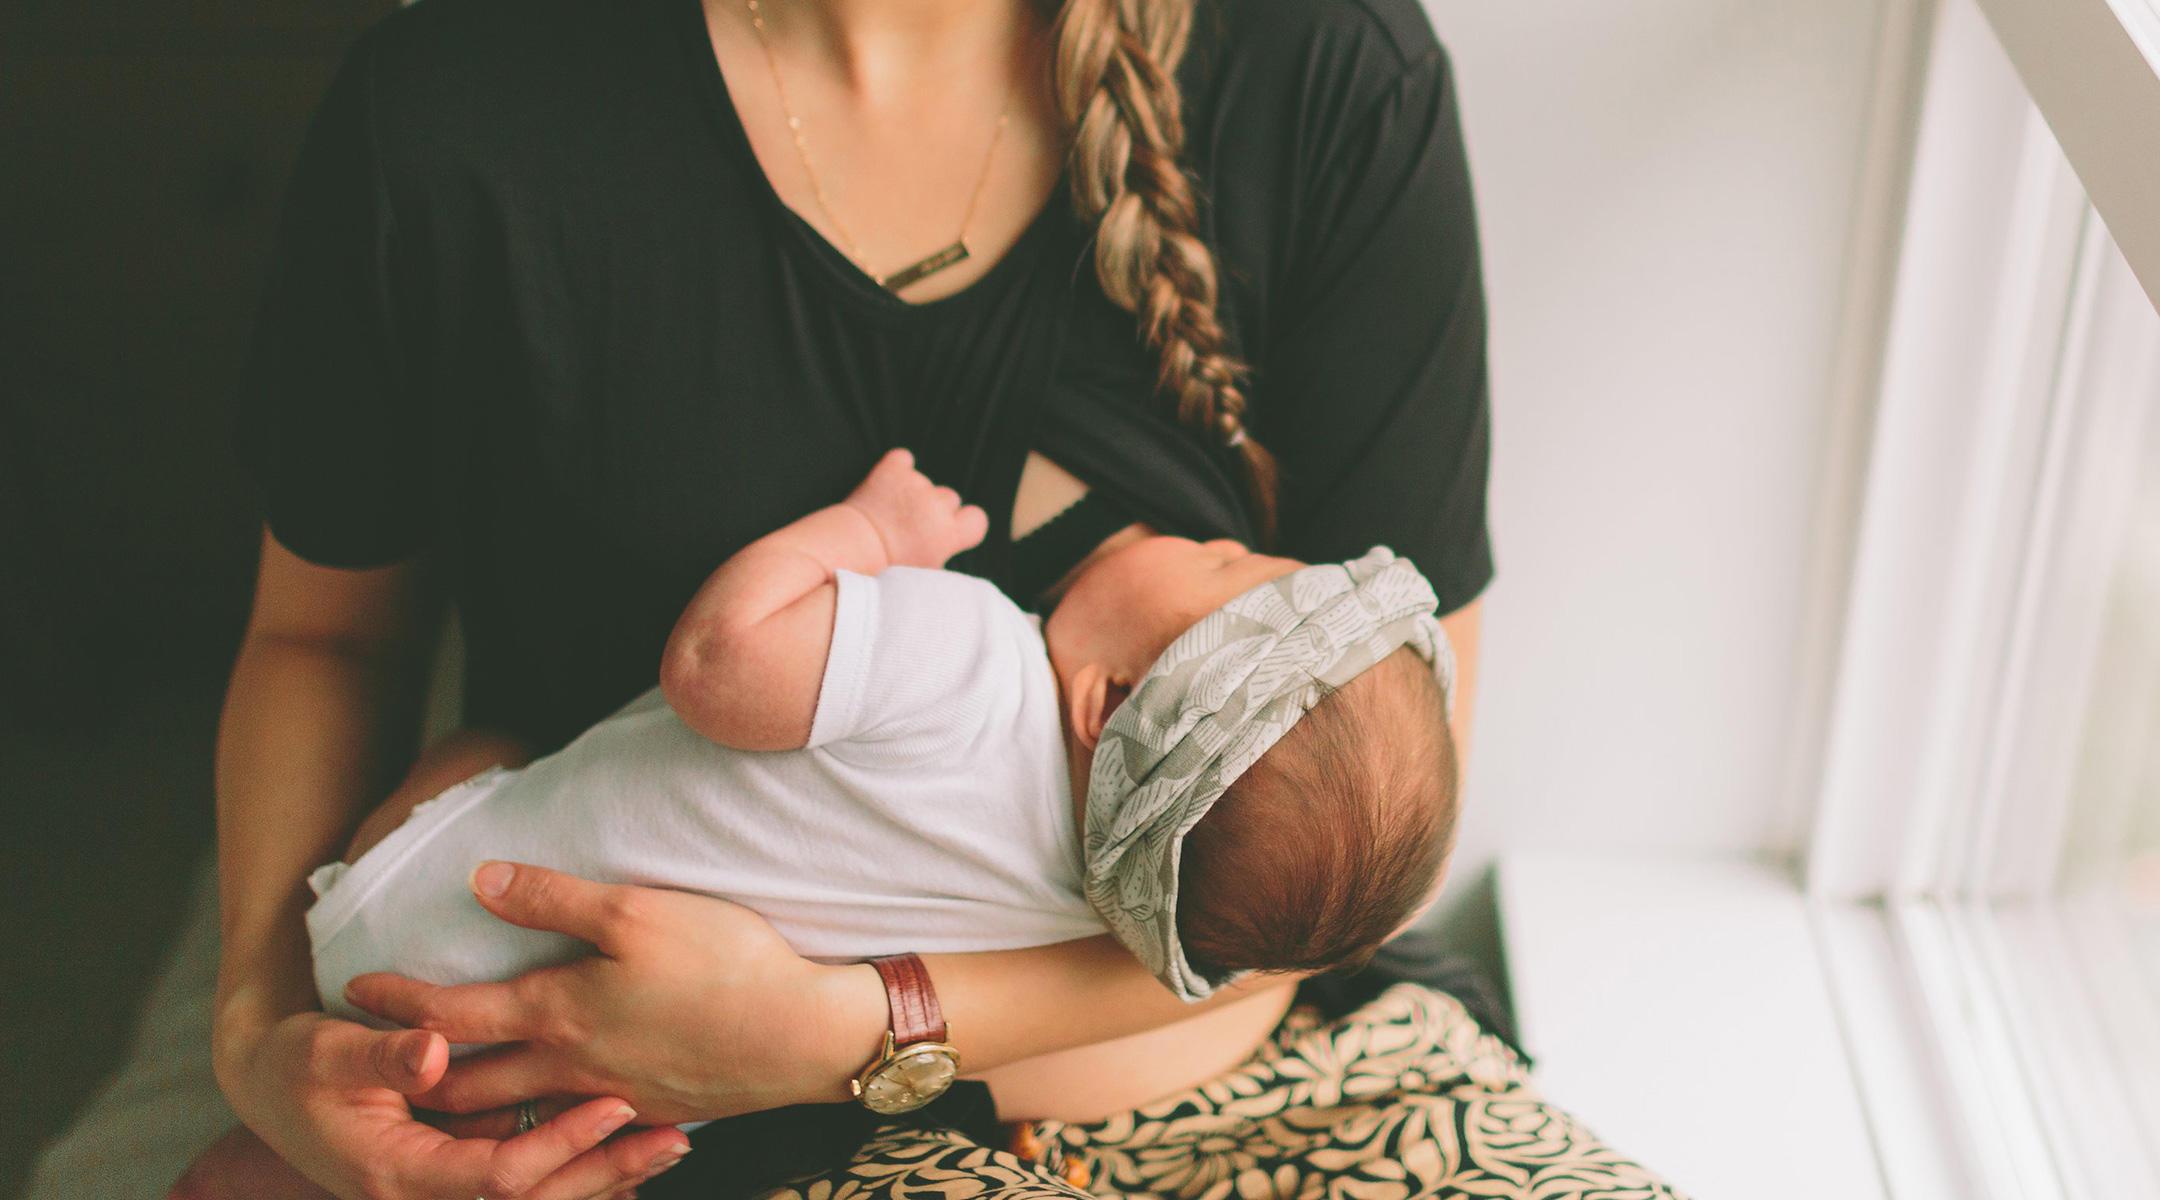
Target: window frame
(1989,1013)
(1993,479)
(2093,66)
(1996,1029)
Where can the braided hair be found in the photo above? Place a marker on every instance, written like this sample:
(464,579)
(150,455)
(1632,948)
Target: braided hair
(1114,73)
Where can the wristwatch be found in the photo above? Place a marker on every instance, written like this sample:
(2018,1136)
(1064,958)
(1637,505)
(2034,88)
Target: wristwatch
(916,1065)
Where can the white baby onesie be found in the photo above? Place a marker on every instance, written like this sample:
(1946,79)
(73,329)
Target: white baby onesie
(931,811)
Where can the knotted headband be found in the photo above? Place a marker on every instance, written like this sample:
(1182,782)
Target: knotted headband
(1223,693)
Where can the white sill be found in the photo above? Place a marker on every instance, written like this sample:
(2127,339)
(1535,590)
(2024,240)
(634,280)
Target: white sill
(1680,1008)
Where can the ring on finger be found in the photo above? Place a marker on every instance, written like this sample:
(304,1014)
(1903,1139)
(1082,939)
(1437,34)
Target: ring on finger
(528,1116)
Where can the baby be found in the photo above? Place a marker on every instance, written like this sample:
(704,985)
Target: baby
(1233,762)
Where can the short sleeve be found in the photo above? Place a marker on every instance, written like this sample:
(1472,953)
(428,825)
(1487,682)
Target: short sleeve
(1372,392)
(328,419)
(919,659)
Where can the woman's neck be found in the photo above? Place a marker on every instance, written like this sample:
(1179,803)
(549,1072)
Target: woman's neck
(873,41)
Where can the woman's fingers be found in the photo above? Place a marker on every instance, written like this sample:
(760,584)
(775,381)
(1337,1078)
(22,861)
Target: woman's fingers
(471,1012)
(616,1168)
(556,1150)
(608,1172)
(349,1055)
(515,1010)
(497,1123)
(339,1111)
(513,1169)
(538,898)
(501,1077)
(486,1168)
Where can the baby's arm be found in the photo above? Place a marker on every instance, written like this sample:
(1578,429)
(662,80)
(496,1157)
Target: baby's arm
(746,659)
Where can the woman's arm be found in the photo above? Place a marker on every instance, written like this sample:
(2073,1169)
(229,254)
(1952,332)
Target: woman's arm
(320,713)
(695,1009)
(1464,627)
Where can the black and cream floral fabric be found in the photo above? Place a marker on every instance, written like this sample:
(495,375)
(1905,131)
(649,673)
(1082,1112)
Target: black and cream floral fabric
(1405,1097)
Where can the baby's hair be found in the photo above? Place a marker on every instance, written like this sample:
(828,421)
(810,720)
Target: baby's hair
(1321,850)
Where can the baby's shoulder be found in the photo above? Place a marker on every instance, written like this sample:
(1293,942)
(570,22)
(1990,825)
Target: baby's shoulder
(957,595)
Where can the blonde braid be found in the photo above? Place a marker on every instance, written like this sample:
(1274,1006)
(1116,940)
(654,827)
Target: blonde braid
(1115,76)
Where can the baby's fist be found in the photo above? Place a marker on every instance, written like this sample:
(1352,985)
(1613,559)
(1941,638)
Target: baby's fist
(920,523)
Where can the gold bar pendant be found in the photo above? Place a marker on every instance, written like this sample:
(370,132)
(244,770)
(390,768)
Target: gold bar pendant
(917,271)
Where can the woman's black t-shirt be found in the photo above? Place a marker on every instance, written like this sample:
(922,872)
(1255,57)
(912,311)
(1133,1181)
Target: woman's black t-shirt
(536,313)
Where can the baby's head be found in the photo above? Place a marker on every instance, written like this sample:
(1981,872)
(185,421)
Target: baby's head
(1328,842)
(1124,610)
(1335,839)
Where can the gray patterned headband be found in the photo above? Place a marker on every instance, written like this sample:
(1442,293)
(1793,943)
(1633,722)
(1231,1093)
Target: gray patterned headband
(1223,693)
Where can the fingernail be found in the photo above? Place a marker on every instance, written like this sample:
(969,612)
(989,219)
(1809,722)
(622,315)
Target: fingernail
(492,879)
(416,1058)
(616,1119)
(665,1159)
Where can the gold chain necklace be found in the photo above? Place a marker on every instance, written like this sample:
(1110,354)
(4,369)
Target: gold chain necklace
(915,271)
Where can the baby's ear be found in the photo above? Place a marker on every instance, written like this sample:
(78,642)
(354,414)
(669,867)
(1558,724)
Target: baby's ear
(1119,692)
(1089,701)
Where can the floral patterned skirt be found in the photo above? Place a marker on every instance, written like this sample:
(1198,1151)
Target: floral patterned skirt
(1406,1096)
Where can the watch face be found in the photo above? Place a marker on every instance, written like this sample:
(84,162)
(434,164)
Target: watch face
(916,1075)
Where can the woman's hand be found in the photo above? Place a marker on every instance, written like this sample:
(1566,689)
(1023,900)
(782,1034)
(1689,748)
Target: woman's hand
(693,1009)
(332,1098)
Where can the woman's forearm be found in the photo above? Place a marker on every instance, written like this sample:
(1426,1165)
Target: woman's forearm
(312,731)
(1009,1005)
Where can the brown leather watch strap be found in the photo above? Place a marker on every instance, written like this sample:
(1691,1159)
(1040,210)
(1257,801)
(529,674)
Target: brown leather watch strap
(916,1014)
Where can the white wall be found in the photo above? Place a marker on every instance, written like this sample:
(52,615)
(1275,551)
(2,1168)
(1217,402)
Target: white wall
(1665,191)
